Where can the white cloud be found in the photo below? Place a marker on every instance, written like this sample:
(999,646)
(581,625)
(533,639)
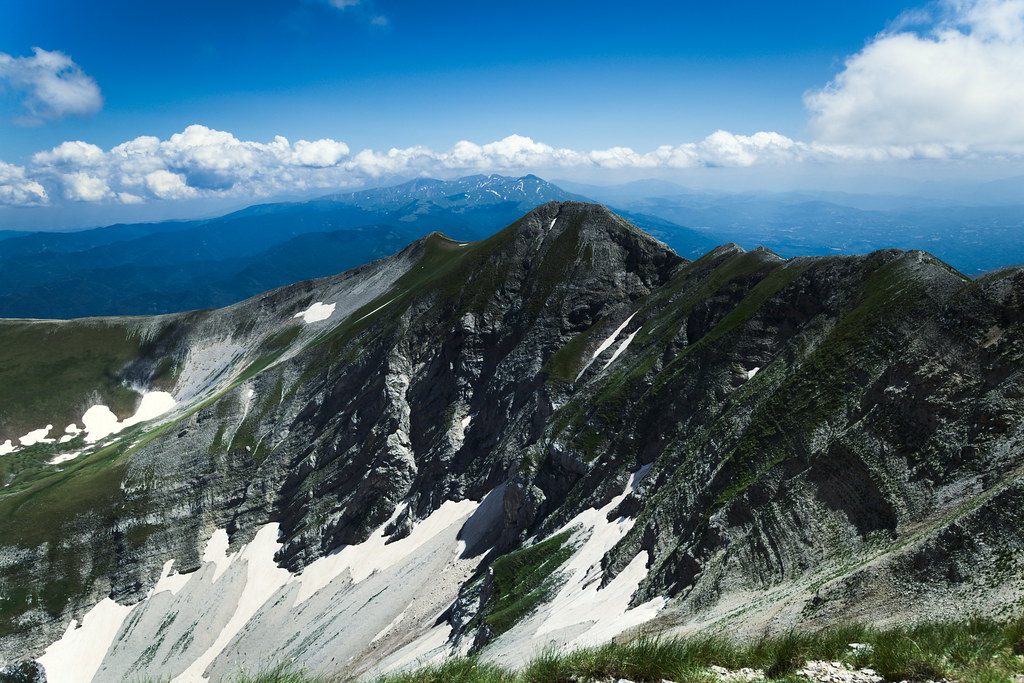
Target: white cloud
(50,84)
(197,162)
(71,154)
(82,187)
(129,198)
(201,162)
(18,190)
(320,154)
(167,185)
(959,84)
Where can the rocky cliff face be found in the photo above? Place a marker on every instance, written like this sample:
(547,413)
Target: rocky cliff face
(462,441)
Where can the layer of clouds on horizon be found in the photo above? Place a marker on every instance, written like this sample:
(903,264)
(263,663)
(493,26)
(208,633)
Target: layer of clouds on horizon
(944,82)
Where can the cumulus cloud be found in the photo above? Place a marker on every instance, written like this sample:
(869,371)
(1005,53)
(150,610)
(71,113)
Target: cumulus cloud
(319,154)
(197,162)
(16,189)
(73,154)
(201,162)
(166,185)
(959,82)
(82,187)
(50,85)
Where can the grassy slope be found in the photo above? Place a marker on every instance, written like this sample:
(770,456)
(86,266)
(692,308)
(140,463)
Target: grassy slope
(974,651)
(49,368)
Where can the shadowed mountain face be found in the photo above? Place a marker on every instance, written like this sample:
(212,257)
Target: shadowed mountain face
(185,265)
(554,434)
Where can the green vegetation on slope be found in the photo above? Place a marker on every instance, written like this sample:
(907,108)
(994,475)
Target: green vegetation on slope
(523,579)
(62,505)
(973,651)
(48,368)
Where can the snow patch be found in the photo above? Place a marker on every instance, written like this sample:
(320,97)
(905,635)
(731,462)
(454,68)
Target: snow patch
(7,447)
(464,425)
(620,349)
(750,373)
(263,585)
(581,600)
(373,311)
(36,436)
(262,580)
(375,554)
(78,654)
(317,312)
(604,345)
(154,404)
(552,224)
(217,552)
(457,432)
(100,421)
(168,581)
(387,629)
(65,457)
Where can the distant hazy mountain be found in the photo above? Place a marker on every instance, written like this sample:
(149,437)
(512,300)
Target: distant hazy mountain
(974,238)
(469,192)
(182,265)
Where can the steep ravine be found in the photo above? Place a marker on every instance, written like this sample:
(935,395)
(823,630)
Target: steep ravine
(737,440)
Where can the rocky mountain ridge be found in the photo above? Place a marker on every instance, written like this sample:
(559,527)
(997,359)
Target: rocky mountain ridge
(566,413)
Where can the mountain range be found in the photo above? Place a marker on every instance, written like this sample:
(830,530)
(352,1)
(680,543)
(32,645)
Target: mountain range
(182,265)
(558,434)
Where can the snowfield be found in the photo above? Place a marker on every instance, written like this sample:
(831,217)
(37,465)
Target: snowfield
(369,608)
(317,312)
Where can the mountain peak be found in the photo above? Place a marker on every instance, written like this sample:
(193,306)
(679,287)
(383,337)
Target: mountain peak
(594,221)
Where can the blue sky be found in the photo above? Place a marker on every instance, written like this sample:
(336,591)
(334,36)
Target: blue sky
(579,74)
(586,89)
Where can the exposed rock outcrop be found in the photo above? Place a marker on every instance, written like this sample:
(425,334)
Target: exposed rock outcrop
(811,440)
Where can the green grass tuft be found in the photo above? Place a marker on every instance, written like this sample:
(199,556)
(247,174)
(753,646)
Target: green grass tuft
(282,673)
(456,670)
